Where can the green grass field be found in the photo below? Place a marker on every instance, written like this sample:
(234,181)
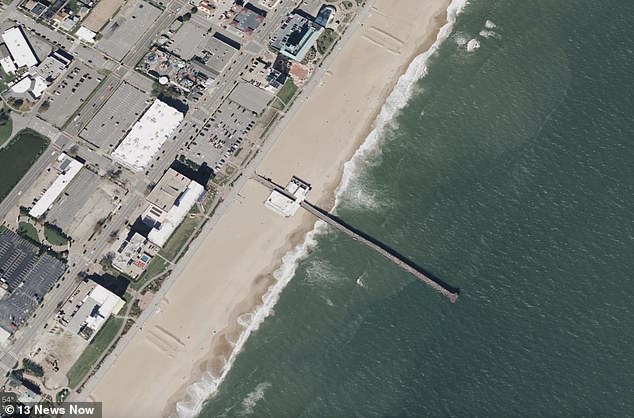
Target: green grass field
(156,266)
(29,231)
(53,236)
(18,156)
(325,40)
(179,238)
(284,95)
(6,126)
(91,354)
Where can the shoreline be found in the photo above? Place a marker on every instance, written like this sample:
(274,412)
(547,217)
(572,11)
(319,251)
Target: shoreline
(256,289)
(221,345)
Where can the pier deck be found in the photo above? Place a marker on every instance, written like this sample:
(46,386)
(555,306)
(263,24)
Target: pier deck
(435,283)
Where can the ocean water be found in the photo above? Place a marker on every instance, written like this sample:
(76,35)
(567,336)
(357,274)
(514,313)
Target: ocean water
(505,165)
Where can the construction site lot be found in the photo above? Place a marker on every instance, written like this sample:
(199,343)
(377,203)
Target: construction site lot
(56,350)
(126,28)
(101,14)
(85,205)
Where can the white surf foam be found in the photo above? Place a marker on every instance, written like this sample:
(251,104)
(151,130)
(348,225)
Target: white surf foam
(396,101)
(321,273)
(208,385)
(490,25)
(488,34)
(461,39)
(198,392)
(472,45)
(249,402)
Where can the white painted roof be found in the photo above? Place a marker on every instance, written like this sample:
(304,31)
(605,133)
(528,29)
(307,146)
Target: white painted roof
(7,65)
(176,214)
(22,86)
(284,205)
(109,304)
(147,136)
(39,86)
(58,186)
(86,34)
(19,48)
(281,204)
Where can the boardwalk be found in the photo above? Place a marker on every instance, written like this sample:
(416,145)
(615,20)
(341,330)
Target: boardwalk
(435,283)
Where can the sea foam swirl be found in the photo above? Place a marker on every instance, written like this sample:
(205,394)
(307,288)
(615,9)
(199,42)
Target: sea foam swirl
(208,384)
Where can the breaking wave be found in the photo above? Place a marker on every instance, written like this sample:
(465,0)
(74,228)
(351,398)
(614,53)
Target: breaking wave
(198,392)
(472,45)
(249,402)
(395,102)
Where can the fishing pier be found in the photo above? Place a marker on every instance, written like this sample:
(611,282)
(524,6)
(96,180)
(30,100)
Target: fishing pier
(285,201)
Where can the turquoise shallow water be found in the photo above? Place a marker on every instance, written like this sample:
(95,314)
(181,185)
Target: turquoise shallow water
(510,174)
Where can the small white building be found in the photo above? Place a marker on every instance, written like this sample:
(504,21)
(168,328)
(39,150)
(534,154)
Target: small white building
(93,312)
(86,35)
(286,204)
(33,85)
(147,136)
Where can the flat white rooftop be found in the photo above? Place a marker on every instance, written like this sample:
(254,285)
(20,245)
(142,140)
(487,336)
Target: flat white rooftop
(284,205)
(86,34)
(147,136)
(176,214)
(7,65)
(281,204)
(96,308)
(19,47)
(63,179)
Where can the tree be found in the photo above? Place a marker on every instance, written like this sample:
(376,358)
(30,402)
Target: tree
(187,16)
(32,367)
(72,151)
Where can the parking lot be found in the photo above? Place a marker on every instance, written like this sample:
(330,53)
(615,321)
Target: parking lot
(221,136)
(108,127)
(65,98)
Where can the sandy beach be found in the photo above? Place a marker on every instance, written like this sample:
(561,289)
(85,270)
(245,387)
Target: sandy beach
(231,269)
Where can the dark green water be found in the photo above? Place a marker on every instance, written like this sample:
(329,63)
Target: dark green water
(509,173)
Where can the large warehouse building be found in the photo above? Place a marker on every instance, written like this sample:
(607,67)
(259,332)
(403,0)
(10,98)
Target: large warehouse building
(19,48)
(147,136)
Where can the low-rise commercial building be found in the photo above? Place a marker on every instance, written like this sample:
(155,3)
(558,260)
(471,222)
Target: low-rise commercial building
(169,202)
(147,136)
(93,312)
(67,168)
(19,47)
(287,202)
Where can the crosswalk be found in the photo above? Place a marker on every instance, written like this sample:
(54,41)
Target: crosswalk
(7,360)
